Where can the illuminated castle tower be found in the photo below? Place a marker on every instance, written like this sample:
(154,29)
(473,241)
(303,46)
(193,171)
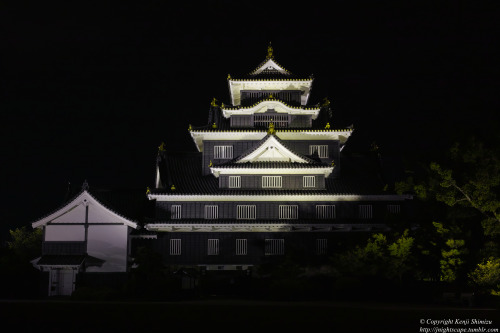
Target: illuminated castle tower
(265,179)
(269,178)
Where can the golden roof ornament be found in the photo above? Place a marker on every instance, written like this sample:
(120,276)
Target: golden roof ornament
(162,147)
(148,190)
(327,126)
(333,163)
(229,76)
(271,96)
(214,102)
(172,188)
(271,129)
(210,164)
(190,128)
(214,125)
(269,51)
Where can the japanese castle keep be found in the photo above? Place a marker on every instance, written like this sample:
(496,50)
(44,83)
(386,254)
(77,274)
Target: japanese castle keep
(268,175)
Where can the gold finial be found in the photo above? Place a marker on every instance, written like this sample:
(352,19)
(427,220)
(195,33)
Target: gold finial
(210,164)
(333,163)
(269,51)
(222,105)
(271,129)
(214,125)
(214,102)
(162,147)
(148,190)
(326,101)
(327,126)
(229,76)
(190,128)
(172,188)
(271,96)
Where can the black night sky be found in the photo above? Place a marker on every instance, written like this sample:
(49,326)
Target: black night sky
(89,91)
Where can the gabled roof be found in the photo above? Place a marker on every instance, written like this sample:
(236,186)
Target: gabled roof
(270,67)
(72,210)
(269,75)
(272,149)
(269,103)
(185,170)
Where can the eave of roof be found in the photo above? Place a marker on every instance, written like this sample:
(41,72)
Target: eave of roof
(77,201)
(273,165)
(269,99)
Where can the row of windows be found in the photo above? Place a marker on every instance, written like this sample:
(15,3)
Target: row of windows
(271,247)
(279,121)
(226,152)
(286,212)
(272,181)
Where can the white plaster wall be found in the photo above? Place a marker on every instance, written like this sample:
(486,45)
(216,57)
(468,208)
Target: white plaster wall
(108,243)
(75,215)
(98,214)
(73,233)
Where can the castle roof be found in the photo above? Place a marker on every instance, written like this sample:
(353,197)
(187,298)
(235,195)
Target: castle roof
(270,143)
(185,169)
(127,206)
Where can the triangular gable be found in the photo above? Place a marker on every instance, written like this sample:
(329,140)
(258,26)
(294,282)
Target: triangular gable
(271,150)
(75,212)
(270,65)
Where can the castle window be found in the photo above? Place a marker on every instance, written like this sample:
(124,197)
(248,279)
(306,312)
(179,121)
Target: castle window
(234,181)
(278,120)
(309,181)
(321,246)
(213,247)
(274,247)
(325,212)
(175,247)
(365,211)
(246,212)
(289,212)
(223,152)
(175,212)
(211,212)
(241,247)
(394,209)
(321,150)
(271,181)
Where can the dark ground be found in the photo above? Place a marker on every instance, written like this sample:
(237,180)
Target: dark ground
(233,315)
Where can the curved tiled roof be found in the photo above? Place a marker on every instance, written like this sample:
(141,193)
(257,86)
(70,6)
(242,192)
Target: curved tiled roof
(131,204)
(224,124)
(208,128)
(186,173)
(269,99)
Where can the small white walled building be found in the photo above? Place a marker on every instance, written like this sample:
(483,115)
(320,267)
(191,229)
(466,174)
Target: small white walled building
(83,236)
